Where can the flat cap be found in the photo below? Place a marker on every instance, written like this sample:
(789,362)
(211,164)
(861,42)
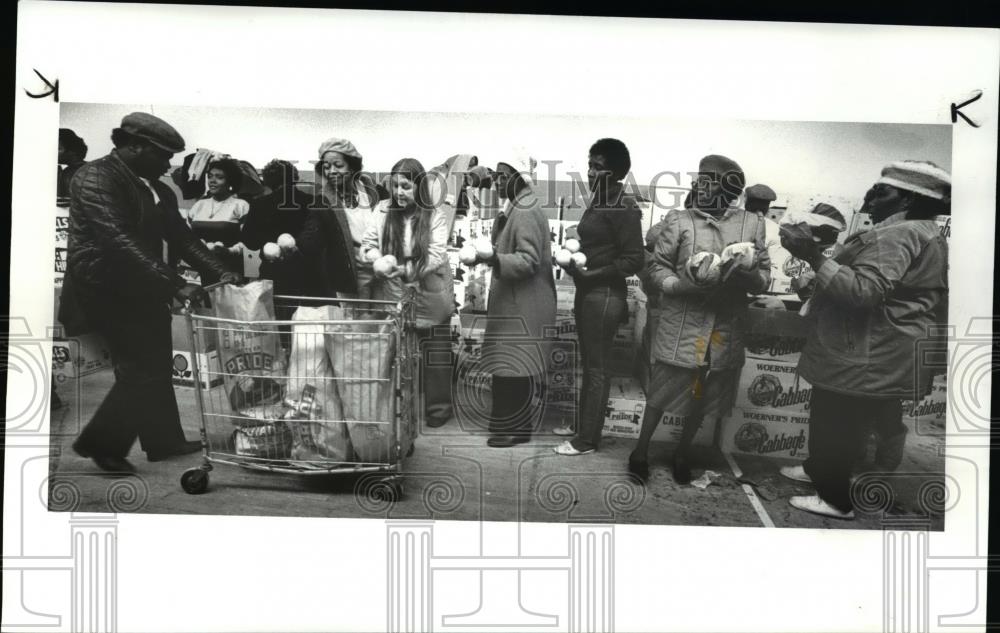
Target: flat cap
(761,192)
(922,177)
(155,130)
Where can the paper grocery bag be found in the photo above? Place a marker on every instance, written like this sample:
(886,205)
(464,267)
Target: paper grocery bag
(252,365)
(319,430)
(362,359)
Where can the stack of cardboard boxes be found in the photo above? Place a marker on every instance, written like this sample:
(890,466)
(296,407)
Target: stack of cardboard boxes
(625,409)
(771,413)
(83,354)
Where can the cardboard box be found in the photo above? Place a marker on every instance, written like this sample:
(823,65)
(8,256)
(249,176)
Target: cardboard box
(565,295)
(565,326)
(480,229)
(181,337)
(770,384)
(62,242)
(766,432)
(625,410)
(633,289)
(79,356)
(931,411)
(776,323)
(785,349)
(208,366)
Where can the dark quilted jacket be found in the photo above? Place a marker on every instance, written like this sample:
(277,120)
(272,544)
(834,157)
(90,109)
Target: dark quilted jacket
(116,235)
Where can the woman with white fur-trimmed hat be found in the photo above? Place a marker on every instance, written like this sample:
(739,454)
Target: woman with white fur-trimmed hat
(875,304)
(522,305)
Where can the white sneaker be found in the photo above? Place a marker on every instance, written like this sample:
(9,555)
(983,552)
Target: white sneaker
(796,473)
(812,503)
(566,448)
(565,431)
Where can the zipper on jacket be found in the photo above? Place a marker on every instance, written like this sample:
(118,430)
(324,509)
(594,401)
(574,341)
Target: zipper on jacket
(847,334)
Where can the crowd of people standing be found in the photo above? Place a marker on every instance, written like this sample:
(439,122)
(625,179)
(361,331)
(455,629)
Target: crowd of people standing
(870,300)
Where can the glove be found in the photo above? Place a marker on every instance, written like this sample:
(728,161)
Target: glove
(233,278)
(682,285)
(191,295)
(736,274)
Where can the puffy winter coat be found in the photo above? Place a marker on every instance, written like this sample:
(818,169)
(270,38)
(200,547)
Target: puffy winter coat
(876,307)
(692,329)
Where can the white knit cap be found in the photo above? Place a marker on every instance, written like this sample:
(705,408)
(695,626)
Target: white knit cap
(921,177)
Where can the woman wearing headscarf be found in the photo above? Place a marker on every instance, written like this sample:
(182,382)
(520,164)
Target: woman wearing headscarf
(407,227)
(611,238)
(522,305)
(338,221)
(698,345)
(872,303)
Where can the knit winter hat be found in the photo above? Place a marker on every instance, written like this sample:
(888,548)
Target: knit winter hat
(922,177)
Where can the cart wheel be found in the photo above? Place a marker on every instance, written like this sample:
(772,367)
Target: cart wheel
(194,481)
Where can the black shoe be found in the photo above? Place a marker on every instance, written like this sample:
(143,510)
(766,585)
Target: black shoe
(106,463)
(114,464)
(188,447)
(682,469)
(506,441)
(638,467)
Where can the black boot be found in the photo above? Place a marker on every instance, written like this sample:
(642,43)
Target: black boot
(681,467)
(638,467)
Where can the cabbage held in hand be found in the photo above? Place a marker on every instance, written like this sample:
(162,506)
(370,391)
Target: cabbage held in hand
(385,265)
(742,254)
(802,225)
(705,268)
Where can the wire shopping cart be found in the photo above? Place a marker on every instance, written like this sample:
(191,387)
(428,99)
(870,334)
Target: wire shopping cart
(337,397)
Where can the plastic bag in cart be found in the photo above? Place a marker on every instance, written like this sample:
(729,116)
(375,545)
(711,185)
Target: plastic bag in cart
(273,440)
(317,421)
(362,358)
(252,365)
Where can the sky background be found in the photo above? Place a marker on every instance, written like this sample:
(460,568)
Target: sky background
(799,160)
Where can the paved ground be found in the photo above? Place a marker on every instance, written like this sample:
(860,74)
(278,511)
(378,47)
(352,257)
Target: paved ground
(455,476)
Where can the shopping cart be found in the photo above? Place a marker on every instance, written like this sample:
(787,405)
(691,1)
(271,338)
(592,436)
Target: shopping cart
(338,399)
